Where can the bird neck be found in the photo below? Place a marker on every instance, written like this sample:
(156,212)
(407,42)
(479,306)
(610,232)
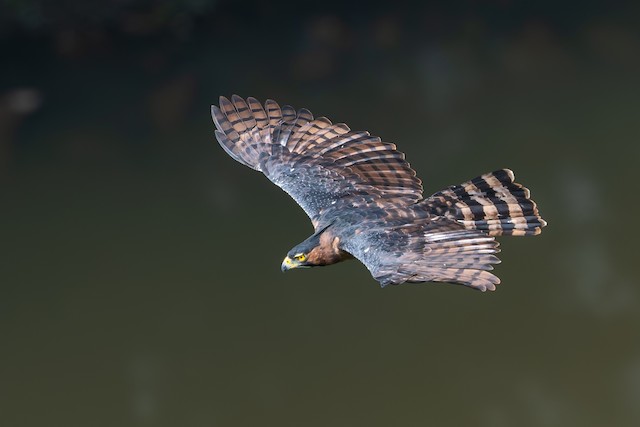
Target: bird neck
(327,251)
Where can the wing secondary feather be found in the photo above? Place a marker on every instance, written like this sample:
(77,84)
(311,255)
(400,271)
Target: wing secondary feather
(437,250)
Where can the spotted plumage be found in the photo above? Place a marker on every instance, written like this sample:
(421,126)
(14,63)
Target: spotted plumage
(365,201)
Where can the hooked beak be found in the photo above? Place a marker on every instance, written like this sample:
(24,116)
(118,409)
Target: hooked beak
(288,264)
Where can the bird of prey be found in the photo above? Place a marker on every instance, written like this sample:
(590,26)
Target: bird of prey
(365,201)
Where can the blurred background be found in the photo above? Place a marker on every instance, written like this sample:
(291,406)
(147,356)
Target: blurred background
(140,279)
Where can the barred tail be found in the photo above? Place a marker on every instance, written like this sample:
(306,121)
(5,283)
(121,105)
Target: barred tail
(492,203)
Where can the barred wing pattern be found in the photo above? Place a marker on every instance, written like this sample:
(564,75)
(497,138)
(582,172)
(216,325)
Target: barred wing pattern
(321,165)
(438,250)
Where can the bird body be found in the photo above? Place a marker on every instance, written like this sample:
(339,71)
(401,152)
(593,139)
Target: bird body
(365,201)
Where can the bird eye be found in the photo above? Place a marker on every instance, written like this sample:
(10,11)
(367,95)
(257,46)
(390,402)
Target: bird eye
(300,257)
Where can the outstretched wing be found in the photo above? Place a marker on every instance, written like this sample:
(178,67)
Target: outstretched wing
(434,250)
(320,164)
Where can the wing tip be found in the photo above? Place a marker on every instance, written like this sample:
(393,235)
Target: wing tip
(216,114)
(222,101)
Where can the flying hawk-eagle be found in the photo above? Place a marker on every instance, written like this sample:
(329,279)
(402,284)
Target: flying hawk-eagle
(365,201)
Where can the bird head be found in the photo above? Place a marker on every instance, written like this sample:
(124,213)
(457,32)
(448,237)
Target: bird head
(298,260)
(301,256)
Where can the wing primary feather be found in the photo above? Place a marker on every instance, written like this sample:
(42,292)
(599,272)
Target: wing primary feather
(275,119)
(233,117)
(245,114)
(300,140)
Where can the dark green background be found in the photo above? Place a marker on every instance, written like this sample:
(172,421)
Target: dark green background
(140,279)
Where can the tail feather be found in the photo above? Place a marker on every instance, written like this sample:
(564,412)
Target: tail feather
(493,203)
